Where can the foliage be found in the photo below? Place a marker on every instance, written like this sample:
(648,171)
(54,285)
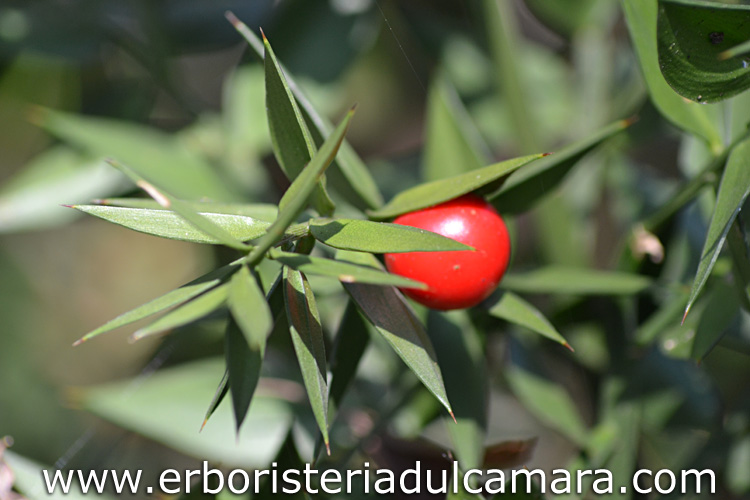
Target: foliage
(616,329)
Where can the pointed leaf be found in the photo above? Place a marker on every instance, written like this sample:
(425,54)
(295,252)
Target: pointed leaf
(641,20)
(186,313)
(524,188)
(733,191)
(167,224)
(722,308)
(356,175)
(345,272)
(562,280)
(249,308)
(221,392)
(153,154)
(292,142)
(461,357)
(170,299)
(262,211)
(386,309)
(452,144)
(435,192)
(350,345)
(295,197)
(692,36)
(181,208)
(380,237)
(514,309)
(307,337)
(243,368)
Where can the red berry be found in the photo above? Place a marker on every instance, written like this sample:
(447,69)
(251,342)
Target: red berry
(456,279)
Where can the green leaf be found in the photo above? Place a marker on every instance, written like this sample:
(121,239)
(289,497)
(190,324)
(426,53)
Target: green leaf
(262,211)
(546,400)
(170,405)
(292,142)
(386,309)
(722,308)
(31,199)
(243,369)
(307,337)
(250,310)
(692,36)
(187,313)
(345,272)
(153,154)
(641,20)
(219,395)
(295,197)
(566,280)
(167,224)
(460,354)
(435,192)
(452,144)
(733,191)
(523,189)
(380,237)
(351,342)
(182,209)
(170,299)
(354,172)
(514,309)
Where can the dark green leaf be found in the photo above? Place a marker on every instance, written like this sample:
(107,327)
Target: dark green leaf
(734,189)
(187,313)
(159,304)
(452,144)
(351,342)
(435,192)
(167,224)
(557,279)
(243,366)
(386,309)
(692,36)
(153,154)
(295,197)
(292,142)
(356,175)
(514,309)
(307,337)
(460,355)
(524,188)
(380,237)
(641,21)
(221,392)
(722,308)
(343,271)
(249,308)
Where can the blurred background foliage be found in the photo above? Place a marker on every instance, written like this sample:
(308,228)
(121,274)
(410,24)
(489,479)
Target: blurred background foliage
(173,76)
